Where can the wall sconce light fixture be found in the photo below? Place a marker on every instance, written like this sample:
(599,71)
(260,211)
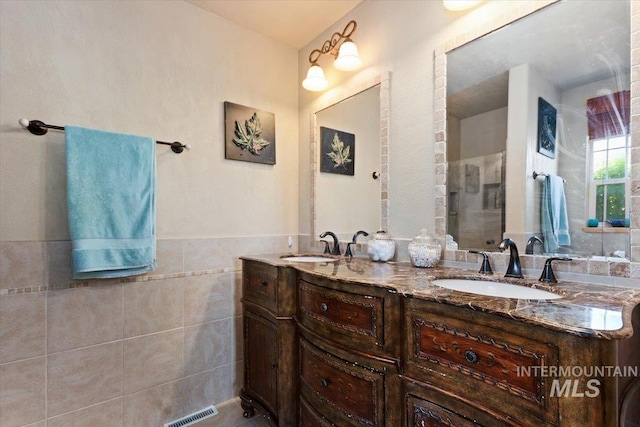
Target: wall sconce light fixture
(341,47)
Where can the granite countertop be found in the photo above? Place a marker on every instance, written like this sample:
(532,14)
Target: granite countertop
(585,309)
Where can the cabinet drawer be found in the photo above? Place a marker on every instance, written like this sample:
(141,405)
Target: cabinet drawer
(471,358)
(350,318)
(346,390)
(489,357)
(261,285)
(310,418)
(423,413)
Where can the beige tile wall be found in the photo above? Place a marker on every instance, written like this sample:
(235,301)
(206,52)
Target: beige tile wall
(135,352)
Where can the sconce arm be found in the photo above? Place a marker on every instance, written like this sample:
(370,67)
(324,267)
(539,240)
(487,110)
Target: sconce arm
(332,45)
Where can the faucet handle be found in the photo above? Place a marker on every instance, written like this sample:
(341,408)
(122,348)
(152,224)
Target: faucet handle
(547,272)
(326,247)
(485,268)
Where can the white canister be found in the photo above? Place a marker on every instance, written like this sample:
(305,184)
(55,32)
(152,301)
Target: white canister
(381,247)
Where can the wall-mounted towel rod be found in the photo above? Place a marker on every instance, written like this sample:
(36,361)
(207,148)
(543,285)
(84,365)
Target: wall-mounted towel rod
(37,127)
(536,175)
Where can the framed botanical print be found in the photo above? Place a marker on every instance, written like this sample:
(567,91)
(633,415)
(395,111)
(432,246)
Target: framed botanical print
(337,151)
(546,129)
(250,134)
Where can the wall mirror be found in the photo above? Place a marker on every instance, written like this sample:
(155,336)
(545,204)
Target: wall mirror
(349,161)
(548,94)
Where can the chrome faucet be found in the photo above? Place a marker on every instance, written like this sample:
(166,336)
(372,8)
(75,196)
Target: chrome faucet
(514,269)
(353,242)
(336,244)
(531,244)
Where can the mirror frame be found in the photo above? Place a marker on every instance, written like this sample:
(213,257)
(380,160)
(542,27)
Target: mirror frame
(334,97)
(622,268)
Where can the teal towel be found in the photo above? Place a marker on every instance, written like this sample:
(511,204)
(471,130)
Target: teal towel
(555,221)
(111,185)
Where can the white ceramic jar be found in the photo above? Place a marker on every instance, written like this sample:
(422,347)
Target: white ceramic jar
(424,250)
(381,247)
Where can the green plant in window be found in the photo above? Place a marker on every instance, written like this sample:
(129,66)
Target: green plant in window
(340,154)
(615,169)
(600,202)
(611,196)
(615,201)
(249,137)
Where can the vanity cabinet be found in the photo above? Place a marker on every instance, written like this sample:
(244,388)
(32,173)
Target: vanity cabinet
(269,335)
(349,351)
(332,351)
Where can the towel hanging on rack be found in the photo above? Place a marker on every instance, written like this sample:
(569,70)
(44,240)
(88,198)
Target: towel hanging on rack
(554,218)
(111,186)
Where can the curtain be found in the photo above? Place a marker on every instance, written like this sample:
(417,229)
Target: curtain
(608,115)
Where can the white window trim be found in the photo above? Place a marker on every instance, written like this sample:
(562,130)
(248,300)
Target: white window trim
(592,185)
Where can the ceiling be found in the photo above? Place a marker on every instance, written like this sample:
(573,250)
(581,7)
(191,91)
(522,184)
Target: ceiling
(569,52)
(292,22)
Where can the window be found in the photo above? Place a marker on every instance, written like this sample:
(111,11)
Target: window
(609,148)
(610,175)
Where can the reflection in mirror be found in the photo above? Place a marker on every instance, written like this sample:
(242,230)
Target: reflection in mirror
(347,199)
(347,185)
(538,133)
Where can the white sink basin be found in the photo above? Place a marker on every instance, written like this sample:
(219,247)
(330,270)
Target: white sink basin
(308,259)
(494,289)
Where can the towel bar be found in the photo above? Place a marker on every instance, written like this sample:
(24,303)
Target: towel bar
(37,127)
(536,175)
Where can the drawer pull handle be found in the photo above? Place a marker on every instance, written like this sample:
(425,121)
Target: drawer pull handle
(324,383)
(324,307)
(471,356)
(263,284)
(274,366)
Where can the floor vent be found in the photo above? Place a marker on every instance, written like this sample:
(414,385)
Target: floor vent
(207,412)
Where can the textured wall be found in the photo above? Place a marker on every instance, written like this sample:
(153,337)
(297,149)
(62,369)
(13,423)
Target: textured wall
(145,351)
(164,70)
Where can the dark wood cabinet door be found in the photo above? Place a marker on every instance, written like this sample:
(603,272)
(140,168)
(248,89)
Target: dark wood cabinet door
(261,360)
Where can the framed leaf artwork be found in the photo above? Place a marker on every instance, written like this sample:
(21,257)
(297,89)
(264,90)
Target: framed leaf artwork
(546,129)
(250,134)
(337,151)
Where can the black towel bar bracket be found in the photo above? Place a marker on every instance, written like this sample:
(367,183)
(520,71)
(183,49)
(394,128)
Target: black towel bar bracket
(37,127)
(537,174)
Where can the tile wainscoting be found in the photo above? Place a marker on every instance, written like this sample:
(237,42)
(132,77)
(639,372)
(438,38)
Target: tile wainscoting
(122,352)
